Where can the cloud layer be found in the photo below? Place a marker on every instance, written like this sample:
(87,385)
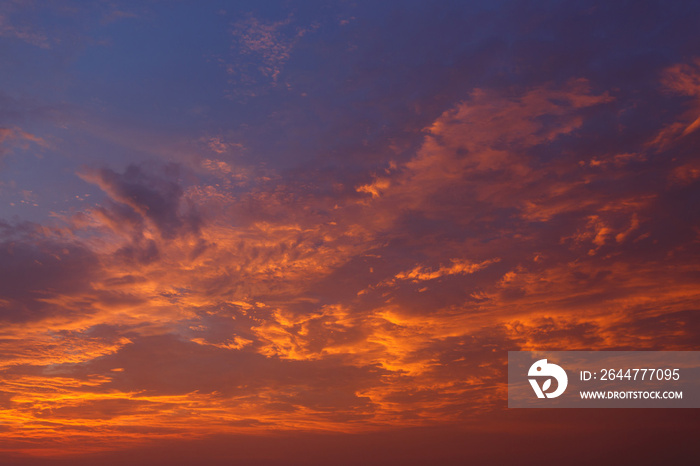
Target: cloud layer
(356,266)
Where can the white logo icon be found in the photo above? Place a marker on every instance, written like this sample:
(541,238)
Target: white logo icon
(542,368)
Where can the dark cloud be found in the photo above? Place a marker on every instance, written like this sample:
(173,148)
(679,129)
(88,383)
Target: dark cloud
(155,197)
(675,331)
(168,364)
(37,275)
(103,409)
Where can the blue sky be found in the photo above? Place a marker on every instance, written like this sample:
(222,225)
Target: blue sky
(112,84)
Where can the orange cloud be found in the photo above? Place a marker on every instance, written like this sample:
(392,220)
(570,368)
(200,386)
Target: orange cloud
(172,311)
(682,79)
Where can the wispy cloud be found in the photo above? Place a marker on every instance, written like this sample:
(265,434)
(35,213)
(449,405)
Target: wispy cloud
(23,33)
(260,51)
(15,138)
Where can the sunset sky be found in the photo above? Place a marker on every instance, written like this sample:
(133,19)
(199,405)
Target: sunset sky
(308,232)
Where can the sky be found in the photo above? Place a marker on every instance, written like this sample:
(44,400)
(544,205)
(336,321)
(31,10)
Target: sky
(275,232)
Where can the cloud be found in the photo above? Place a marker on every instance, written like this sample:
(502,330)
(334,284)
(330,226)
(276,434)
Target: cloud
(261,50)
(683,79)
(157,199)
(23,33)
(339,301)
(15,138)
(265,40)
(39,276)
(412,195)
(458,267)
